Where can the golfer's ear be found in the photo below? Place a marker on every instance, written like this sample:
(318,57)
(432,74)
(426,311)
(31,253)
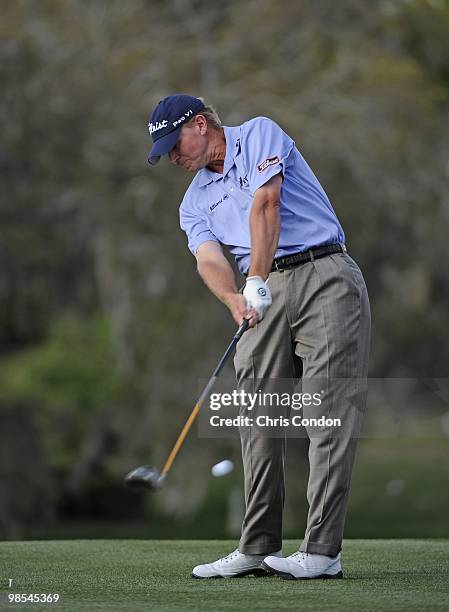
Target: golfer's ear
(201,122)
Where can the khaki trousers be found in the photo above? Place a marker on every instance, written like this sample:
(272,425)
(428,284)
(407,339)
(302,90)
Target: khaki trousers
(318,327)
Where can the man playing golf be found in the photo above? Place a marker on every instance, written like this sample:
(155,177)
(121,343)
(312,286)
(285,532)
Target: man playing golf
(306,302)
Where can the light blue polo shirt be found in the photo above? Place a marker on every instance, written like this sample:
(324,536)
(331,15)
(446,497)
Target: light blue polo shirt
(217,206)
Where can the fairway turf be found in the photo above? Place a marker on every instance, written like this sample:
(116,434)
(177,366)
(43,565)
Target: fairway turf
(134,575)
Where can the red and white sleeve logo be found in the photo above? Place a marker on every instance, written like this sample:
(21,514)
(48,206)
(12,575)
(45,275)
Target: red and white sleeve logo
(270,161)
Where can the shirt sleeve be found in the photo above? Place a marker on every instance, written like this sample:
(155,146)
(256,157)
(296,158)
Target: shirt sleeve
(196,228)
(265,148)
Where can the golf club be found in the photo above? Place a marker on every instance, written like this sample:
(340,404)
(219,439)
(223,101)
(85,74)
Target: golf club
(149,477)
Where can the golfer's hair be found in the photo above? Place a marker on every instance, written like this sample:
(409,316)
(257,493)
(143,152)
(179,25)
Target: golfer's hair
(211,115)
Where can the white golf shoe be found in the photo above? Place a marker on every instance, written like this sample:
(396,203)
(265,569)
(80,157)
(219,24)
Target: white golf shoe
(304,566)
(235,565)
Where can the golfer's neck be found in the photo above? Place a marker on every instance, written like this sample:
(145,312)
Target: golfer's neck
(216,166)
(217,148)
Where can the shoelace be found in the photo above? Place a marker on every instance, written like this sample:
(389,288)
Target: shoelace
(299,555)
(231,556)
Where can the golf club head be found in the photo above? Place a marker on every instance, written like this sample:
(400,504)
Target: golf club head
(144,477)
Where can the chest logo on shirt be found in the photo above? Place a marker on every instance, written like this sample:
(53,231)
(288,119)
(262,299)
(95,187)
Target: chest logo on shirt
(215,204)
(243,181)
(268,162)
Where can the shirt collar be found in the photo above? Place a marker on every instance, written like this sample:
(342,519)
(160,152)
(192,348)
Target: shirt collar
(232,137)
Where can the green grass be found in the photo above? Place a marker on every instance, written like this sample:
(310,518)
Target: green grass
(148,575)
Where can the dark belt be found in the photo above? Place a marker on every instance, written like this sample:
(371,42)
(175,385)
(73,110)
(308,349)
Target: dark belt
(291,261)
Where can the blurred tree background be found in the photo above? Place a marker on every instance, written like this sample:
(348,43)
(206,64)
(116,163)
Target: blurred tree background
(105,327)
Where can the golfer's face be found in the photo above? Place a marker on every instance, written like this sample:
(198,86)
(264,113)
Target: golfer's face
(190,150)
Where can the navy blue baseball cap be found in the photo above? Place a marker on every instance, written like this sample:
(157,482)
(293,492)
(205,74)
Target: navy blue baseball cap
(167,120)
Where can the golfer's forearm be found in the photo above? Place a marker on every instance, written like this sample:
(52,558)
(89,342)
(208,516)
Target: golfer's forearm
(265,225)
(219,277)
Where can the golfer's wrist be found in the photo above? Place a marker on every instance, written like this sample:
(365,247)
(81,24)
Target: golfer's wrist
(230,298)
(258,271)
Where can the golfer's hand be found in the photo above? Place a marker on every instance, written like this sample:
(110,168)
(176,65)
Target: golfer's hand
(257,295)
(239,310)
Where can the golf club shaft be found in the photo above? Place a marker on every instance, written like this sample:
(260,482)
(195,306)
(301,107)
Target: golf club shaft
(188,424)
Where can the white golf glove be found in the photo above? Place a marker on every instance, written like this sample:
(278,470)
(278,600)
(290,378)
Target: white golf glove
(257,295)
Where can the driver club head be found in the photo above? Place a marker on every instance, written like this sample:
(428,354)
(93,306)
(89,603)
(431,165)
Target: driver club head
(144,477)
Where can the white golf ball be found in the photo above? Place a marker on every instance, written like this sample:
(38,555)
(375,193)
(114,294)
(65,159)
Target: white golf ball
(222,468)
